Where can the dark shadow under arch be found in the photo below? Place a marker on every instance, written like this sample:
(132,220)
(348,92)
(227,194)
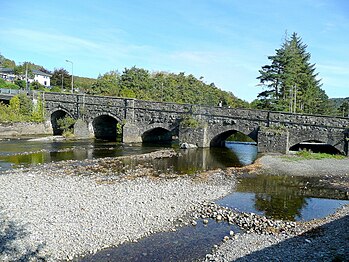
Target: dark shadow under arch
(315,146)
(219,140)
(158,134)
(106,127)
(55,116)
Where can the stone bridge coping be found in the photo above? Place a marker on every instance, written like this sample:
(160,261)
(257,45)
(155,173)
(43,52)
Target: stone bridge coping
(271,117)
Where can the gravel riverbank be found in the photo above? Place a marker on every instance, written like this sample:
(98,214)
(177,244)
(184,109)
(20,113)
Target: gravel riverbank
(63,210)
(324,239)
(49,212)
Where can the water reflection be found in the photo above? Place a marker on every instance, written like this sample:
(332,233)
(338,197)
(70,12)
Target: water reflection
(26,152)
(246,152)
(284,197)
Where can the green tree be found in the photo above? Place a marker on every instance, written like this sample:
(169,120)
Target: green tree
(37,86)
(290,81)
(344,109)
(137,81)
(66,124)
(7,63)
(162,86)
(15,104)
(108,84)
(26,105)
(61,78)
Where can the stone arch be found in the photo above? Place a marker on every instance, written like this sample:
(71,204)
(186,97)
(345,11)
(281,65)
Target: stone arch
(55,115)
(158,133)
(315,146)
(105,126)
(318,140)
(219,139)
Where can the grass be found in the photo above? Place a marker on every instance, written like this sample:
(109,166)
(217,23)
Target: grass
(306,155)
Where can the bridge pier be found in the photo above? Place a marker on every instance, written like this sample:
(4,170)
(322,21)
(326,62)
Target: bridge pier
(194,136)
(131,134)
(271,140)
(83,129)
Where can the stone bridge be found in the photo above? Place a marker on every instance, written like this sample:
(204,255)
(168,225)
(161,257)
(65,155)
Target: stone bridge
(204,126)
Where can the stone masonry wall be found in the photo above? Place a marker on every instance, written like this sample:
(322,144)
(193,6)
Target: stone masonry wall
(25,129)
(140,116)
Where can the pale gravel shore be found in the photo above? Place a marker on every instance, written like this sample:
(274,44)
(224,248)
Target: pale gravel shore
(324,239)
(56,216)
(293,165)
(45,213)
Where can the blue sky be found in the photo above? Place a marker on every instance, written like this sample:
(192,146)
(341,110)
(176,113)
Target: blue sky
(225,41)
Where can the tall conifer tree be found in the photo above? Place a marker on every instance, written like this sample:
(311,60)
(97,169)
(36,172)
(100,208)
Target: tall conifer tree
(291,81)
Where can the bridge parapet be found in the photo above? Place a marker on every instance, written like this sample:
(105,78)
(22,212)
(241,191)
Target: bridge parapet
(138,117)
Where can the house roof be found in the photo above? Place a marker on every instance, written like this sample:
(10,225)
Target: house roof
(38,72)
(5,70)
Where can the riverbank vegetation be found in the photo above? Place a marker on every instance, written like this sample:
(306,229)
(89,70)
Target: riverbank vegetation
(308,155)
(22,109)
(66,124)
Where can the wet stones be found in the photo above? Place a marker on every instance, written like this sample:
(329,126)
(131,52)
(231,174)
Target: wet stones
(249,222)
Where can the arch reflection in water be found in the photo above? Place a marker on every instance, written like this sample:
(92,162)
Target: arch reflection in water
(246,152)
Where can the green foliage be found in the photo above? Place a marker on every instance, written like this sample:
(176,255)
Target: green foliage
(343,109)
(291,82)
(66,124)
(83,83)
(15,104)
(119,127)
(21,84)
(61,78)
(304,154)
(26,105)
(241,137)
(8,85)
(38,114)
(108,84)
(7,63)
(37,86)
(56,89)
(22,109)
(190,121)
(162,86)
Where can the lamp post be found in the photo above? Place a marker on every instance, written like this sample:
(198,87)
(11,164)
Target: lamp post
(72,75)
(62,81)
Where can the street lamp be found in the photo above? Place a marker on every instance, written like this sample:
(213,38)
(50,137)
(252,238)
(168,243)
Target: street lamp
(62,81)
(72,75)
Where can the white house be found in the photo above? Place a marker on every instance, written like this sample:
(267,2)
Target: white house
(40,77)
(7,74)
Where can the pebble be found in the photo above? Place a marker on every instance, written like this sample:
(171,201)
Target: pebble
(89,210)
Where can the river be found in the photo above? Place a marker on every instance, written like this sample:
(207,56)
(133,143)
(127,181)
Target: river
(277,197)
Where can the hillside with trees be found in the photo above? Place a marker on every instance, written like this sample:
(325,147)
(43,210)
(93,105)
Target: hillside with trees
(290,83)
(162,86)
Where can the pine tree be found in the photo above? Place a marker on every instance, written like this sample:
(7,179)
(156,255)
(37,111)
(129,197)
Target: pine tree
(291,82)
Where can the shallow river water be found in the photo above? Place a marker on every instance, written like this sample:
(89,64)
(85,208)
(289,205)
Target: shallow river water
(278,197)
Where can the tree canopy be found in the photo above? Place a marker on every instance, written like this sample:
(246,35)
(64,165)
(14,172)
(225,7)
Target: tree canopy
(162,86)
(291,82)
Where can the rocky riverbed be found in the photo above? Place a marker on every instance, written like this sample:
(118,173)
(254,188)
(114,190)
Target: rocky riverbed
(324,239)
(64,210)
